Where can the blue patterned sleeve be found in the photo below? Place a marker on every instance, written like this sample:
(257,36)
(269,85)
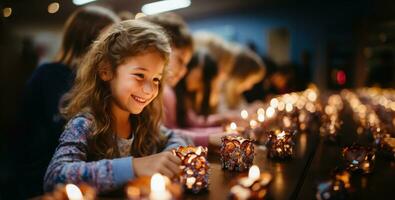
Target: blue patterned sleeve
(70,165)
(174,139)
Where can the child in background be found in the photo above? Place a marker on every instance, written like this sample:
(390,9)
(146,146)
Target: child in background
(114,111)
(39,119)
(247,71)
(182,49)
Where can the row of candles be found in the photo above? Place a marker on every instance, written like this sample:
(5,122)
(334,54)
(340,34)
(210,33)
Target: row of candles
(287,112)
(365,104)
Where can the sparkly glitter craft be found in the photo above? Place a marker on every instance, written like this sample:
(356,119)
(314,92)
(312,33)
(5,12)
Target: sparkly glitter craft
(237,153)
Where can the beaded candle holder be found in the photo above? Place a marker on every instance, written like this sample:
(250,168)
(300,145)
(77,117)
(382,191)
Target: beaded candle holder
(253,186)
(146,187)
(280,145)
(359,158)
(71,191)
(195,167)
(237,153)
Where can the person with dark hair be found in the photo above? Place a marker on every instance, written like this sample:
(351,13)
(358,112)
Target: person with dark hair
(39,121)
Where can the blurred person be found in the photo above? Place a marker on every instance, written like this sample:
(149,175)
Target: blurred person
(39,121)
(182,49)
(247,71)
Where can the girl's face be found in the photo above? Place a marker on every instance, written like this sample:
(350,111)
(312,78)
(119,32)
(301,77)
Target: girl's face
(136,82)
(178,61)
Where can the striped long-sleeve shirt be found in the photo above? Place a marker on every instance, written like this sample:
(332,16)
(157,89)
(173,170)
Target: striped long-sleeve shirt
(71,165)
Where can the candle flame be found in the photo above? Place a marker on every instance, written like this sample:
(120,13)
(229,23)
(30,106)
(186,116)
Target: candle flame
(253,124)
(244,114)
(73,192)
(233,126)
(157,183)
(274,102)
(260,111)
(254,173)
(288,107)
(261,117)
(270,112)
(281,135)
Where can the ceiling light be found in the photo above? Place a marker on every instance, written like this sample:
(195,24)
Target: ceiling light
(164,6)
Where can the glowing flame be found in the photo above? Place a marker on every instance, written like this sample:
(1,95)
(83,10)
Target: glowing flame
(281,135)
(244,114)
(233,126)
(73,192)
(157,183)
(254,173)
(253,124)
(261,117)
(270,112)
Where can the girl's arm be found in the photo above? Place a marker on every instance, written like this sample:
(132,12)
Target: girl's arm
(174,140)
(70,164)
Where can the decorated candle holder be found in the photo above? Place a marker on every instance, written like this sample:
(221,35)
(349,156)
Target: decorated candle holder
(237,153)
(359,158)
(71,191)
(195,167)
(146,187)
(335,188)
(330,126)
(280,145)
(253,186)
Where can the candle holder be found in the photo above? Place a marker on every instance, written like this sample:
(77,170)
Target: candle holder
(237,153)
(65,192)
(359,158)
(195,167)
(330,126)
(253,186)
(335,188)
(140,188)
(280,145)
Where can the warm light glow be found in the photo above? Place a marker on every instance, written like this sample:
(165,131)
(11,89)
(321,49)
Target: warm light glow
(157,183)
(253,124)
(53,7)
(233,126)
(73,192)
(260,111)
(311,95)
(287,122)
(82,2)
(164,6)
(270,112)
(281,135)
(289,107)
(274,103)
(254,173)
(139,15)
(158,188)
(261,118)
(7,12)
(281,106)
(244,114)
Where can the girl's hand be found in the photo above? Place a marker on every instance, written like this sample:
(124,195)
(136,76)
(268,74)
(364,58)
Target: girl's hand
(165,163)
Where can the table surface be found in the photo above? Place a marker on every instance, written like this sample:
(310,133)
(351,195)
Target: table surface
(312,163)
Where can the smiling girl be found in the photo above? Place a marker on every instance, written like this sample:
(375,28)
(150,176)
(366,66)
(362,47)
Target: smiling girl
(114,111)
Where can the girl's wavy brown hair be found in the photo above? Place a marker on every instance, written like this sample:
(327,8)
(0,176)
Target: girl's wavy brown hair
(90,94)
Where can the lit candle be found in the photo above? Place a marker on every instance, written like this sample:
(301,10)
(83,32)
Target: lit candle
(195,167)
(280,145)
(158,188)
(254,186)
(73,192)
(253,124)
(237,153)
(270,112)
(244,114)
